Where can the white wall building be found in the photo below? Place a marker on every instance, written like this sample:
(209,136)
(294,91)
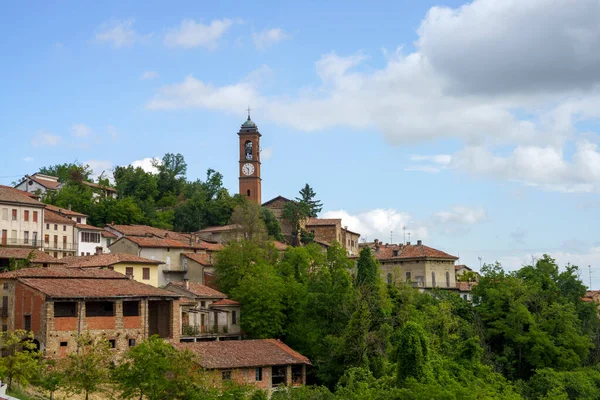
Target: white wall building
(21,219)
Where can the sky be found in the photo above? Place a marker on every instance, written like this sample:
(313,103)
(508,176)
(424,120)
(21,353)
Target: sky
(470,126)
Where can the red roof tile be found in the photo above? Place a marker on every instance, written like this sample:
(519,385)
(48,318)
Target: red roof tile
(266,203)
(409,251)
(16,196)
(94,288)
(47,183)
(323,221)
(243,353)
(104,260)
(200,258)
(54,218)
(64,211)
(21,253)
(145,230)
(224,228)
(88,227)
(465,286)
(280,246)
(226,302)
(97,186)
(63,273)
(197,289)
(108,234)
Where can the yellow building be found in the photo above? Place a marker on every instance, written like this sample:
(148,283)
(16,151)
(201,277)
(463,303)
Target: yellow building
(138,268)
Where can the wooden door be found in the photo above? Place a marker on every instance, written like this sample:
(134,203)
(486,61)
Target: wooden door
(4,235)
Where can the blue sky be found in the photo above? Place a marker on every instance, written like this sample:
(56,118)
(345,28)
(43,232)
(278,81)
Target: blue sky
(460,122)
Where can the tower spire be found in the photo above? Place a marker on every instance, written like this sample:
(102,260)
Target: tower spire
(249,109)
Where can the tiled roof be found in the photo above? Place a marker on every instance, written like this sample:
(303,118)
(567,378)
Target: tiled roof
(198,290)
(97,186)
(39,257)
(280,246)
(210,246)
(108,234)
(88,227)
(64,211)
(224,228)
(465,286)
(409,251)
(104,260)
(145,230)
(94,288)
(155,242)
(226,302)
(266,203)
(63,273)
(462,266)
(200,258)
(12,195)
(351,232)
(47,183)
(54,218)
(243,353)
(323,221)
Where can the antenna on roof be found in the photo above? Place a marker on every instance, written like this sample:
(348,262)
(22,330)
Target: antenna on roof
(408,237)
(391,237)
(590,269)
(404,234)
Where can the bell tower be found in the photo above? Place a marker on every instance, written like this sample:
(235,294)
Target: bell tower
(250,181)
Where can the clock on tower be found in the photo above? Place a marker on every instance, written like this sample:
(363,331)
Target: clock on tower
(250,180)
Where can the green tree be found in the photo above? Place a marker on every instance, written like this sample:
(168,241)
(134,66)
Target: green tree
(51,376)
(171,176)
(413,352)
(20,358)
(310,207)
(250,225)
(88,369)
(272,224)
(68,172)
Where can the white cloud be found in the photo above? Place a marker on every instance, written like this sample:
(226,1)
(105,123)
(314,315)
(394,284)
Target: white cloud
(146,164)
(119,33)
(461,215)
(266,153)
(378,223)
(268,38)
(149,75)
(81,130)
(436,163)
(192,34)
(28,159)
(100,166)
(430,169)
(44,138)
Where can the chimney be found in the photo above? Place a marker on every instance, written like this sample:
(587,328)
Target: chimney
(376,244)
(408,243)
(98,250)
(187,283)
(419,242)
(69,207)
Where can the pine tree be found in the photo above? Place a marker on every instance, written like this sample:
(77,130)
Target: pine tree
(309,205)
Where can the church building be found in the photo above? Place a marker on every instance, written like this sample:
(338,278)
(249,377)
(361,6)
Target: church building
(250,180)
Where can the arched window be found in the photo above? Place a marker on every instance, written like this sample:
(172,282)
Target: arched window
(447,279)
(432,279)
(248,192)
(248,149)
(408,276)
(389,278)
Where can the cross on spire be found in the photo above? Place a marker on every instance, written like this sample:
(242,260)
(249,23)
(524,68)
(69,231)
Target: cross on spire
(249,109)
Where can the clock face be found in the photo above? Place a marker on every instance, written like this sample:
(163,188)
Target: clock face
(248,169)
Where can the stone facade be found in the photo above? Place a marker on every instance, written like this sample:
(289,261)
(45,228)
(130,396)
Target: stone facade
(276,206)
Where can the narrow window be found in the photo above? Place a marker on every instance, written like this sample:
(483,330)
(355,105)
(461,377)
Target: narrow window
(248,192)
(129,271)
(35,214)
(432,278)
(78,220)
(64,344)
(258,373)
(27,322)
(234,318)
(389,278)
(131,342)
(26,236)
(47,226)
(146,273)
(407,276)
(26,215)
(112,343)
(55,227)
(64,228)
(4,310)
(447,279)
(203,304)
(14,214)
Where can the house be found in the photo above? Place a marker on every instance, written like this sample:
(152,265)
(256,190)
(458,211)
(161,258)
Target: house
(264,363)
(101,191)
(167,249)
(90,240)
(199,267)
(421,265)
(140,269)
(206,314)
(68,213)
(59,235)
(219,234)
(38,183)
(20,254)
(330,230)
(21,219)
(58,304)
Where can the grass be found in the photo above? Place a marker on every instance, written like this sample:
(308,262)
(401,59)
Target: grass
(21,394)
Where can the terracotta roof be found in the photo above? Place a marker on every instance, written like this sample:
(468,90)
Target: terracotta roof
(323,221)
(210,246)
(12,195)
(243,353)
(153,241)
(198,290)
(280,246)
(63,272)
(226,302)
(54,218)
(39,257)
(108,234)
(88,227)
(145,230)
(64,211)
(465,286)
(224,228)
(352,232)
(200,258)
(104,260)
(409,251)
(97,186)
(461,266)
(275,199)
(94,288)
(322,242)
(47,183)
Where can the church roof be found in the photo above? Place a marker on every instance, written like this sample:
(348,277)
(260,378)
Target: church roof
(249,123)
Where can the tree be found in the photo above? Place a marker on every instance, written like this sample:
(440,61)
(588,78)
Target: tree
(155,370)
(307,202)
(171,173)
(294,213)
(272,224)
(20,357)
(68,172)
(413,353)
(88,369)
(50,377)
(247,217)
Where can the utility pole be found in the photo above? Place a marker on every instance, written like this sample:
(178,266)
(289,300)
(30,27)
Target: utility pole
(409,237)
(590,270)
(391,237)
(480,258)
(403,235)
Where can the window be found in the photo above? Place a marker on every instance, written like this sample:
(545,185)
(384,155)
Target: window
(55,241)
(5,213)
(108,242)
(129,271)
(258,373)
(78,220)
(34,239)
(90,237)
(47,239)
(4,328)
(407,276)
(226,375)
(14,214)
(35,214)
(64,242)
(131,342)
(432,278)
(203,304)
(64,228)
(48,226)
(234,318)
(112,343)
(297,375)
(64,344)
(447,279)
(27,322)
(25,215)
(4,310)
(65,309)
(56,254)
(99,309)
(5,286)
(146,273)
(26,236)
(248,192)
(55,227)
(13,236)
(131,308)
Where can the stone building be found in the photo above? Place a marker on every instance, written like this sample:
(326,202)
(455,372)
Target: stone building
(137,268)
(58,304)
(330,230)
(421,265)
(20,254)
(206,313)
(264,363)
(276,205)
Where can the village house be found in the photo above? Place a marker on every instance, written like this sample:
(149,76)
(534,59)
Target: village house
(206,314)
(422,266)
(21,219)
(137,268)
(329,230)
(58,304)
(264,363)
(38,183)
(37,258)
(219,234)
(59,235)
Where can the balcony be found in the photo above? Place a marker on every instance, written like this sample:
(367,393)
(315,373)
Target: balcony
(60,246)
(174,268)
(202,330)
(20,242)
